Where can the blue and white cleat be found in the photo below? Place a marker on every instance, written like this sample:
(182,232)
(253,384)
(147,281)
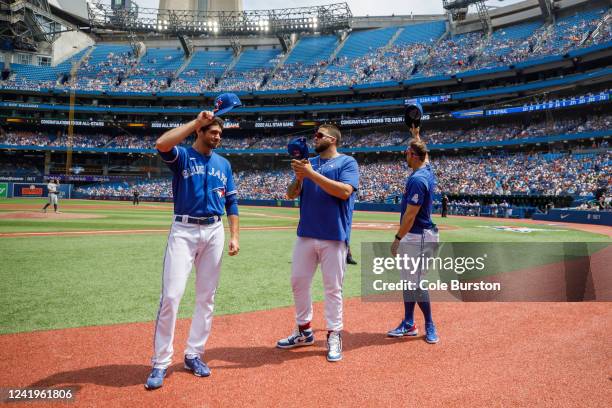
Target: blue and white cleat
(404,329)
(430,334)
(298,338)
(334,346)
(156,379)
(197,367)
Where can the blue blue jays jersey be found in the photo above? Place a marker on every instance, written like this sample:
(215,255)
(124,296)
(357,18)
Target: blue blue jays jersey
(420,188)
(200,183)
(323,216)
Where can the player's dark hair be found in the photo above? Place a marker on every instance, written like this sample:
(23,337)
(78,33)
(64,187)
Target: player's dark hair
(332,130)
(216,121)
(419,148)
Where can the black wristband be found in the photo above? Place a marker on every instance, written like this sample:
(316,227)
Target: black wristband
(398,237)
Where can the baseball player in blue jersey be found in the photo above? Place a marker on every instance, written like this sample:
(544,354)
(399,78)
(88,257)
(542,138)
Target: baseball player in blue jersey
(203,189)
(415,236)
(326,185)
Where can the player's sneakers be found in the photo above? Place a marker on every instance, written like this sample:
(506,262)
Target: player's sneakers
(350,260)
(197,367)
(430,333)
(334,346)
(156,379)
(404,329)
(298,338)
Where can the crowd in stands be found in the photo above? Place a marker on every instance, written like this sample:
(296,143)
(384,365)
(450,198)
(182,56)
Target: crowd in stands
(122,71)
(290,76)
(59,139)
(242,81)
(578,174)
(155,188)
(17,167)
(350,138)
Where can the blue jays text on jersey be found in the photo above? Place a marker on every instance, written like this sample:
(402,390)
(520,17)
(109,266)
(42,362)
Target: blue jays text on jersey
(186,173)
(202,186)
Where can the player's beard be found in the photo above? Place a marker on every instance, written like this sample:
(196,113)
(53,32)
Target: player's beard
(322,146)
(211,144)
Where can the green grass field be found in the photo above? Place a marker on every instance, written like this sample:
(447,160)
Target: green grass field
(52,282)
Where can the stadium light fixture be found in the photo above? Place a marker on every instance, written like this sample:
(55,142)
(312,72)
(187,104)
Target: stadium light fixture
(326,18)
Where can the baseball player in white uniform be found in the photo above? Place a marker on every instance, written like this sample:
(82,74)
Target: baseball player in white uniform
(203,189)
(53,189)
(326,185)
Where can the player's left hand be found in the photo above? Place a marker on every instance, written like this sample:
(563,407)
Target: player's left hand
(302,169)
(394,247)
(234,247)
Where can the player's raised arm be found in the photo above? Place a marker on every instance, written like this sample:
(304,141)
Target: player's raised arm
(173,137)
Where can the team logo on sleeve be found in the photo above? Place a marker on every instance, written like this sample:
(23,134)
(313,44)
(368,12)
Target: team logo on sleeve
(220,192)
(415,198)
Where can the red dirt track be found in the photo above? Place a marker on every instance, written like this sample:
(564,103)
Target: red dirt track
(490,354)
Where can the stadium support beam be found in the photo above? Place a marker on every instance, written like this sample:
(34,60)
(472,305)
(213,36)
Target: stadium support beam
(187,45)
(24,24)
(458,11)
(236,46)
(546,8)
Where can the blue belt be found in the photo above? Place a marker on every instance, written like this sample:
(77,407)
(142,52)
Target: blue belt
(198,221)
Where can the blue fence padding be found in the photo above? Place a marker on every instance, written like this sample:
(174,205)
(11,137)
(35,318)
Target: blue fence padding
(538,61)
(483,71)
(589,50)
(377,85)
(421,80)
(570,79)
(577,216)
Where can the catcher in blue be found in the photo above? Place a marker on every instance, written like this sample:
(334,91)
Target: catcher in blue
(203,189)
(326,185)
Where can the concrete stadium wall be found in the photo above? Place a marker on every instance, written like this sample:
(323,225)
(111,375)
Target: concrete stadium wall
(69,44)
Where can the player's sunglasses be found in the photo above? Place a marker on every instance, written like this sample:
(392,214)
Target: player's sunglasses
(319,135)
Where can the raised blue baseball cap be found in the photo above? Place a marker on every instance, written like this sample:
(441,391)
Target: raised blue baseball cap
(298,149)
(225,103)
(413,113)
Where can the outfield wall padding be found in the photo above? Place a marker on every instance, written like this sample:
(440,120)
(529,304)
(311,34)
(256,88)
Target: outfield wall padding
(578,216)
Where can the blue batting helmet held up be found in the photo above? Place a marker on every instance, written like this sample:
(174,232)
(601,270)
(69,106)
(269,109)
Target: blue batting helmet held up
(298,149)
(413,113)
(225,103)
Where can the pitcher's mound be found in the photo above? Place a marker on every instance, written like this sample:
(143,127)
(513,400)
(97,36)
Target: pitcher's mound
(20,215)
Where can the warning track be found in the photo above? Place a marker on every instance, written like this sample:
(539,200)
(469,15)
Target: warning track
(489,355)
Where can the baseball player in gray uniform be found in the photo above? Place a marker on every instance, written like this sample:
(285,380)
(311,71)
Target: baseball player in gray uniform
(53,188)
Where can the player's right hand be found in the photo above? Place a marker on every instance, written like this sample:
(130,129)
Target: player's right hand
(204,118)
(416,132)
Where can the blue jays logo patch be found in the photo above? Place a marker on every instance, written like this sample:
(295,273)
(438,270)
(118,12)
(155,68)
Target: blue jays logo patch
(218,104)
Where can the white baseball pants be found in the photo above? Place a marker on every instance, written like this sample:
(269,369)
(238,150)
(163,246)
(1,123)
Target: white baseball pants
(53,198)
(331,255)
(415,246)
(188,244)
